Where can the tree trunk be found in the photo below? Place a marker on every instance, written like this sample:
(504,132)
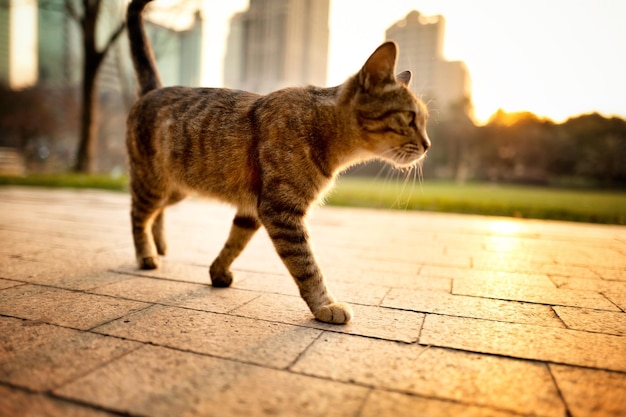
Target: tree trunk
(86,155)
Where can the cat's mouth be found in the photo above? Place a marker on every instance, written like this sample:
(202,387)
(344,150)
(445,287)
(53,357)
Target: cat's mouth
(408,154)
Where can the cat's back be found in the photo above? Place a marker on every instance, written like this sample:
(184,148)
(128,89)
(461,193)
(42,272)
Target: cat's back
(191,105)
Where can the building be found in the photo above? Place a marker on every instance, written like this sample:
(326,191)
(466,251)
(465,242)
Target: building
(18,43)
(178,52)
(443,84)
(276,44)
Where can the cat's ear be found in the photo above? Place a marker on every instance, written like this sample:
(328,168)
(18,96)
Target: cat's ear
(380,66)
(404,77)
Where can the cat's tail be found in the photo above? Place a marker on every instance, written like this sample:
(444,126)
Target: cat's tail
(140,49)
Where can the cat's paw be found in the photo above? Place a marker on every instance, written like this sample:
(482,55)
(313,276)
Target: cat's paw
(149,262)
(221,279)
(335,313)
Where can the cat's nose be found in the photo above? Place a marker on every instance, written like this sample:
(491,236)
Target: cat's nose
(426,142)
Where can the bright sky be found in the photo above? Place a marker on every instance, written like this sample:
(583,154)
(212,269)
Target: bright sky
(556,58)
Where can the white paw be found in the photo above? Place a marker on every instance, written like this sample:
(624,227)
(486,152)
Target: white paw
(335,313)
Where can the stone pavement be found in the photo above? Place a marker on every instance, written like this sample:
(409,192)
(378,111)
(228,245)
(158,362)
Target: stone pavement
(454,316)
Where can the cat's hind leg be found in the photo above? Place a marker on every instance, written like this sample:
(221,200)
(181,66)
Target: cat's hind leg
(158,225)
(147,205)
(243,228)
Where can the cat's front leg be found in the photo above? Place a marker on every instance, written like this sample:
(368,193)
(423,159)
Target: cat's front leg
(243,228)
(288,232)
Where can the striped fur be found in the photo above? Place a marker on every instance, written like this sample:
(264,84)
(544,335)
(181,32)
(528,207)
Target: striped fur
(271,156)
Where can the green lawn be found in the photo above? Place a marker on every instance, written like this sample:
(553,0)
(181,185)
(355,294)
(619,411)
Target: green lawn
(477,198)
(99,181)
(480,198)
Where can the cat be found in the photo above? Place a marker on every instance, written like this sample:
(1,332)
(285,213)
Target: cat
(271,156)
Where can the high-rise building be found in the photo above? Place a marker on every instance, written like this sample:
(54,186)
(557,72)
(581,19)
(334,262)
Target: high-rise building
(177,52)
(276,44)
(420,39)
(18,43)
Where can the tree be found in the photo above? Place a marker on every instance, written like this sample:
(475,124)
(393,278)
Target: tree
(92,59)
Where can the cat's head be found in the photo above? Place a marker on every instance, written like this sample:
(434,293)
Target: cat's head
(390,118)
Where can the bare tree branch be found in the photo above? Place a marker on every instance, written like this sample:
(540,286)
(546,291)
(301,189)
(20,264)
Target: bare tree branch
(73,13)
(114,37)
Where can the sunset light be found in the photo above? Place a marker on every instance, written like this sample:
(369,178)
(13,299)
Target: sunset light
(556,59)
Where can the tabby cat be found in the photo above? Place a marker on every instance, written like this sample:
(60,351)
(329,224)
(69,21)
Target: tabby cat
(271,156)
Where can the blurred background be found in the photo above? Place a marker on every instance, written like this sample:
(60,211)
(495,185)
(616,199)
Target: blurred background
(520,92)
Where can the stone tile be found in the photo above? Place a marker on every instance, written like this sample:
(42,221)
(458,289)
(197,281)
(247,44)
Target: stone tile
(591,392)
(382,323)
(411,279)
(532,294)
(608,322)
(610,274)
(29,270)
(17,403)
(358,293)
(526,341)
(505,262)
(619,298)
(156,381)
(266,283)
(580,272)
(255,341)
(439,302)
(384,403)
(88,281)
(469,378)
(458,274)
(593,285)
(349,292)
(172,271)
(218,300)
(378,272)
(63,307)
(180,294)
(5,283)
(81,275)
(41,357)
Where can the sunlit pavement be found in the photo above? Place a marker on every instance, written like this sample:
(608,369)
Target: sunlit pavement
(454,316)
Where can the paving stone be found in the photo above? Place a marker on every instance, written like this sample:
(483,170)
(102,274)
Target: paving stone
(568,271)
(172,271)
(593,285)
(17,403)
(271,344)
(591,392)
(526,341)
(62,307)
(608,322)
(5,283)
(383,323)
(483,308)
(619,298)
(378,272)
(532,294)
(610,274)
(266,283)
(541,280)
(218,300)
(360,293)
(158,382)
(444,374)
(408,279)
(509,262)
(180,294)
(40,357)
(383,403)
